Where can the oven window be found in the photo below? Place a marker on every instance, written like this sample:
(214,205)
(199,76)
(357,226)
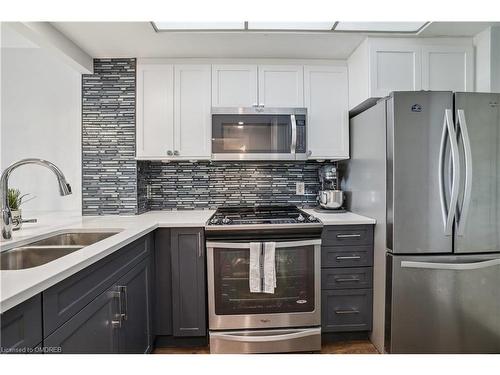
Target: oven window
(294,290)
(251,134)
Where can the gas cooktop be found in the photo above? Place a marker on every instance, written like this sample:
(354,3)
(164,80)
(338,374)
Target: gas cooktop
(261,215)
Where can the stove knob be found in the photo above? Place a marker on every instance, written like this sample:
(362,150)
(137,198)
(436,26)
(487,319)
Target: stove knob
(214,221)
(226,220)
(312,218)
(300,218)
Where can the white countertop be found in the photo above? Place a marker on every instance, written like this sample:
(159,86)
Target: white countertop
(334,218)
(17,286)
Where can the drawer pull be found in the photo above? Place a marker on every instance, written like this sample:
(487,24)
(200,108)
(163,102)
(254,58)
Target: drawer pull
(346,280)
(354,257)
(340,312)
(348,235)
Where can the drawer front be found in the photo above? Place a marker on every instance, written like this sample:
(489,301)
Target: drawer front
(346,256)
(346,310)
(346,278)
(335,235)
(65,299)
(22,326)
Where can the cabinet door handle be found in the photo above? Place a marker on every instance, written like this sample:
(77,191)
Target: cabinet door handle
(348,235)
(170,153)
(122,290)
(200,250)
(176,153)
(346,280)
(117,323)
(341,312)
(349,257)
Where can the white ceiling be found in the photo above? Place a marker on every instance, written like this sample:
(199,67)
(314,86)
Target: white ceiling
(139,39)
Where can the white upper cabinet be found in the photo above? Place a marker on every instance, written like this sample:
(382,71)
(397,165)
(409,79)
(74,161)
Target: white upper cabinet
(448,68)
(326,100)
(155,110)
(192,111)
(173,111)
(237,85)
(394,68)
(281,85)
(381,65)
(234,85)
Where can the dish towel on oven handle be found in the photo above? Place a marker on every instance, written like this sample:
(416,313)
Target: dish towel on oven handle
(254,276)
(269,267)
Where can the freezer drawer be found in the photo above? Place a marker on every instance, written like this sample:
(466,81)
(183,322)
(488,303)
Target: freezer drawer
(443,304)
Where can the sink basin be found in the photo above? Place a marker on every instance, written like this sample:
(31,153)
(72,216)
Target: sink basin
(32,256)
(51,248)
(73,239)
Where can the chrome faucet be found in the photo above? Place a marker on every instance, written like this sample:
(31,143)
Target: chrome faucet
(64,189)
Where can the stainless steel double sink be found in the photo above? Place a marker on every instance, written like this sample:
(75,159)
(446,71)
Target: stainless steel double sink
(51,248)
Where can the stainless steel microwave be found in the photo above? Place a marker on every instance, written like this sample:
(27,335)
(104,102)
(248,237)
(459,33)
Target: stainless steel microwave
(259,133)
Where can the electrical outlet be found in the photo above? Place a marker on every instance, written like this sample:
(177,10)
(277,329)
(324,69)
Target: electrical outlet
(148,191)
(299,188)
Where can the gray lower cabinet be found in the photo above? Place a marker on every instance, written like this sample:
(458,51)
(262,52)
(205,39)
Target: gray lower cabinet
(346,278)
(92,330)
(188,282)
(346,310)
(21,327)
(162,283)
(116,321)
(134,298)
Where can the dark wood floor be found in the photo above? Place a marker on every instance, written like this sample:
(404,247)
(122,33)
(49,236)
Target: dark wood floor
(339,347)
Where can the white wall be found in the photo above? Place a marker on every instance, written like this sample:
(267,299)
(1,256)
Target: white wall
(487,46)
(482,43)
(41,117)
(495,59)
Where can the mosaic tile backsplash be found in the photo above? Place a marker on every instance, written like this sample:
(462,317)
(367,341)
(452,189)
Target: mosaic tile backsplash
(109,168)
(201,185)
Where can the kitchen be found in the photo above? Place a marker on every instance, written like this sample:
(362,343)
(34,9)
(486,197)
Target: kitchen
(249,187)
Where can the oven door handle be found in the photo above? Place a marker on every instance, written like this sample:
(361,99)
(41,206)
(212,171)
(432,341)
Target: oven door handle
(266,338)
(246,245)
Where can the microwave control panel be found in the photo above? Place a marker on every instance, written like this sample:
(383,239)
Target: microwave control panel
(301,146)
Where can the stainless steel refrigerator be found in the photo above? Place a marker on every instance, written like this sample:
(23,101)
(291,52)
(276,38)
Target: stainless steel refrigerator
(426,165)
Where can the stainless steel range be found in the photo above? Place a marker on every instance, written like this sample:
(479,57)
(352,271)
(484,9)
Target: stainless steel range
(263,270)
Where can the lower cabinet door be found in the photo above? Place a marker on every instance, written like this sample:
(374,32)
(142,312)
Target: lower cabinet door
(188,282)
(21,327)
(93,330)
(346,310)
(134,288)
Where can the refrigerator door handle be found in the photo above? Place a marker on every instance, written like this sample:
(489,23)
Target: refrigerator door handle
(451,266)
(448,214)
(462,123)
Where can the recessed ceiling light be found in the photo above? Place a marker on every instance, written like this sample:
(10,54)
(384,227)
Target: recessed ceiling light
(381,27)
(172,26)
(323,26)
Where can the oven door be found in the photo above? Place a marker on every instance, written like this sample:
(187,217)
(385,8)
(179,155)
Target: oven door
(263,136)
(294,303)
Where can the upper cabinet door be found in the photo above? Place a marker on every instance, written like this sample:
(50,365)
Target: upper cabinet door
(326,99)
(234,85)
(448,68)
(394,68)
(281,85)
(155,110)
(192,130)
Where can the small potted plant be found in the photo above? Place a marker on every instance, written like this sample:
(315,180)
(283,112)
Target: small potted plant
(15,200)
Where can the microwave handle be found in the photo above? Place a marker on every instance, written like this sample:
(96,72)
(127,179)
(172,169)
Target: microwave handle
(293,145)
